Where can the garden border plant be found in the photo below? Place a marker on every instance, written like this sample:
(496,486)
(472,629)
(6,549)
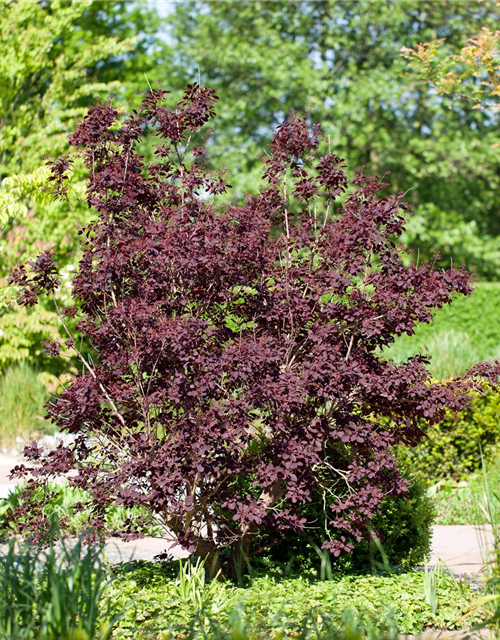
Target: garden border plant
(236,370)
(55,593)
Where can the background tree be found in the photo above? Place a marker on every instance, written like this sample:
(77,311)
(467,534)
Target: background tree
(56,58)
(472,75)
(343,56)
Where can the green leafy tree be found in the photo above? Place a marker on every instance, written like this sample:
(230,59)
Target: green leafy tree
(56,58)
(344,58)
(472,75)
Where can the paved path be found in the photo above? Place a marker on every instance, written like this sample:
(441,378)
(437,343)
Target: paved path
(460,547)
(144,549)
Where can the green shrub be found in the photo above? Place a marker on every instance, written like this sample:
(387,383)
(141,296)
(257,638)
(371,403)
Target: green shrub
(403,537)
(404,528)
(22,396)
(452,449)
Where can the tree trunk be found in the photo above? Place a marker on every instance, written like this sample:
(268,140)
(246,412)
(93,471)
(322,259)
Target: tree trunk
(208,551)
(239,560)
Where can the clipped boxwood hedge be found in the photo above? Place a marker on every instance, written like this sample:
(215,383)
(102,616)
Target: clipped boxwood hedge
(452,449)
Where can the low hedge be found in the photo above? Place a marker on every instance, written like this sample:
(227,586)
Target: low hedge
(477,316)
(463,333)
(403,537)
(452,448)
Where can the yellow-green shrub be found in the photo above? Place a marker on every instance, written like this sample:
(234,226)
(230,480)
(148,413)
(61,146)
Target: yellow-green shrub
(452,448)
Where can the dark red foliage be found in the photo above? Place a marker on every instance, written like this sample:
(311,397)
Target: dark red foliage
(43,278)
(58,176)
(237,365)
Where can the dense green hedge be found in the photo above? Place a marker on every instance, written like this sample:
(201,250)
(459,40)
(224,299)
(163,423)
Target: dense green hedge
(403,528)
(478,316)
(452,449)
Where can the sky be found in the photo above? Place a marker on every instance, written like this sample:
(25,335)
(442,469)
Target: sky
(164,6)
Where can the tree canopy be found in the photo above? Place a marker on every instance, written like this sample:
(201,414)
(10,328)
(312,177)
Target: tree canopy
(343,59)
(56,58)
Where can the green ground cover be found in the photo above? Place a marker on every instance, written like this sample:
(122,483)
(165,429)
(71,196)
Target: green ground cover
(272,605)
(67,591)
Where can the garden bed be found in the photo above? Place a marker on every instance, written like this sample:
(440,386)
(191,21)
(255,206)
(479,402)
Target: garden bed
(155,600)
